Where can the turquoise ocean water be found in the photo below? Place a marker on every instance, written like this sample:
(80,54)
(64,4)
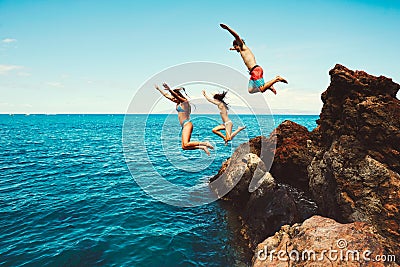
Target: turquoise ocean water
(67,197)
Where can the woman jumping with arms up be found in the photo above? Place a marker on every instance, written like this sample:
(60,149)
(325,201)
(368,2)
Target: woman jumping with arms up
(183,109)
(227,125)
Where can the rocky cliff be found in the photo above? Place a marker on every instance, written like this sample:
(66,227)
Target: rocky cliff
(264,202)
(346,169)
(354,175)
(321,241)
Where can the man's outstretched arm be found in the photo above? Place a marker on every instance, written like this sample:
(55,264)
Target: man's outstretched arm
(237,37)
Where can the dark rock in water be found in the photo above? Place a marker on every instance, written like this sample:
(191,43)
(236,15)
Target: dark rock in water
(354,175)
(271,207)
(320,241)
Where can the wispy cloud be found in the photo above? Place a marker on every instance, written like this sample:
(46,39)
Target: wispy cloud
(55,84)
(295,101)
(9,40)
(4,69)
(6,105)
(24,74)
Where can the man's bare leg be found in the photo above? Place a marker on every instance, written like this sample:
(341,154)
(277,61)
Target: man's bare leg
(269,85)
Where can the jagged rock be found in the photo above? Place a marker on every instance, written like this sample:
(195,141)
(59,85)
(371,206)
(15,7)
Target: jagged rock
(263,204)
(270,207)
(320,241)
(292,155)
(285,154)
(363,106)
(354,175)
(240,174)
(349,164)
(252,146)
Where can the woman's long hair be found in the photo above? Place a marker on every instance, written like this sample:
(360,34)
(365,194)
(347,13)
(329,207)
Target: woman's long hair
(221,97)
(178,92)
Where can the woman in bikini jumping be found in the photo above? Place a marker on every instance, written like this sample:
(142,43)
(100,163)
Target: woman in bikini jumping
(227,125)
(183,108)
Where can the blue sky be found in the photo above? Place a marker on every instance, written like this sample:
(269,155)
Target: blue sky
(92,56)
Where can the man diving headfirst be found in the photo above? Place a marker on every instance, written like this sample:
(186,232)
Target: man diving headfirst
(256,83)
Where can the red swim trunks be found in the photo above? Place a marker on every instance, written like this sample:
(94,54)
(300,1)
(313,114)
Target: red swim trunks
(256,79)
(256,73)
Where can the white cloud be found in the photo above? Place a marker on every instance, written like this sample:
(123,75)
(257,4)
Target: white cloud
(295,101)
(9,40)
(6,105)
(4,69)
(55,84)
(24,74)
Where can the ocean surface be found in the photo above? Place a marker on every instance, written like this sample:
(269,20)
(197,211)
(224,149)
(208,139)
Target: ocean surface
(82,190)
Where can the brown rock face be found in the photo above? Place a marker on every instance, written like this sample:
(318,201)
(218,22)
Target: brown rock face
(264,202)
(292,156)
(365,107)
(320,241)
(239,170)
(354,175)
(284,153)
(349,165)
